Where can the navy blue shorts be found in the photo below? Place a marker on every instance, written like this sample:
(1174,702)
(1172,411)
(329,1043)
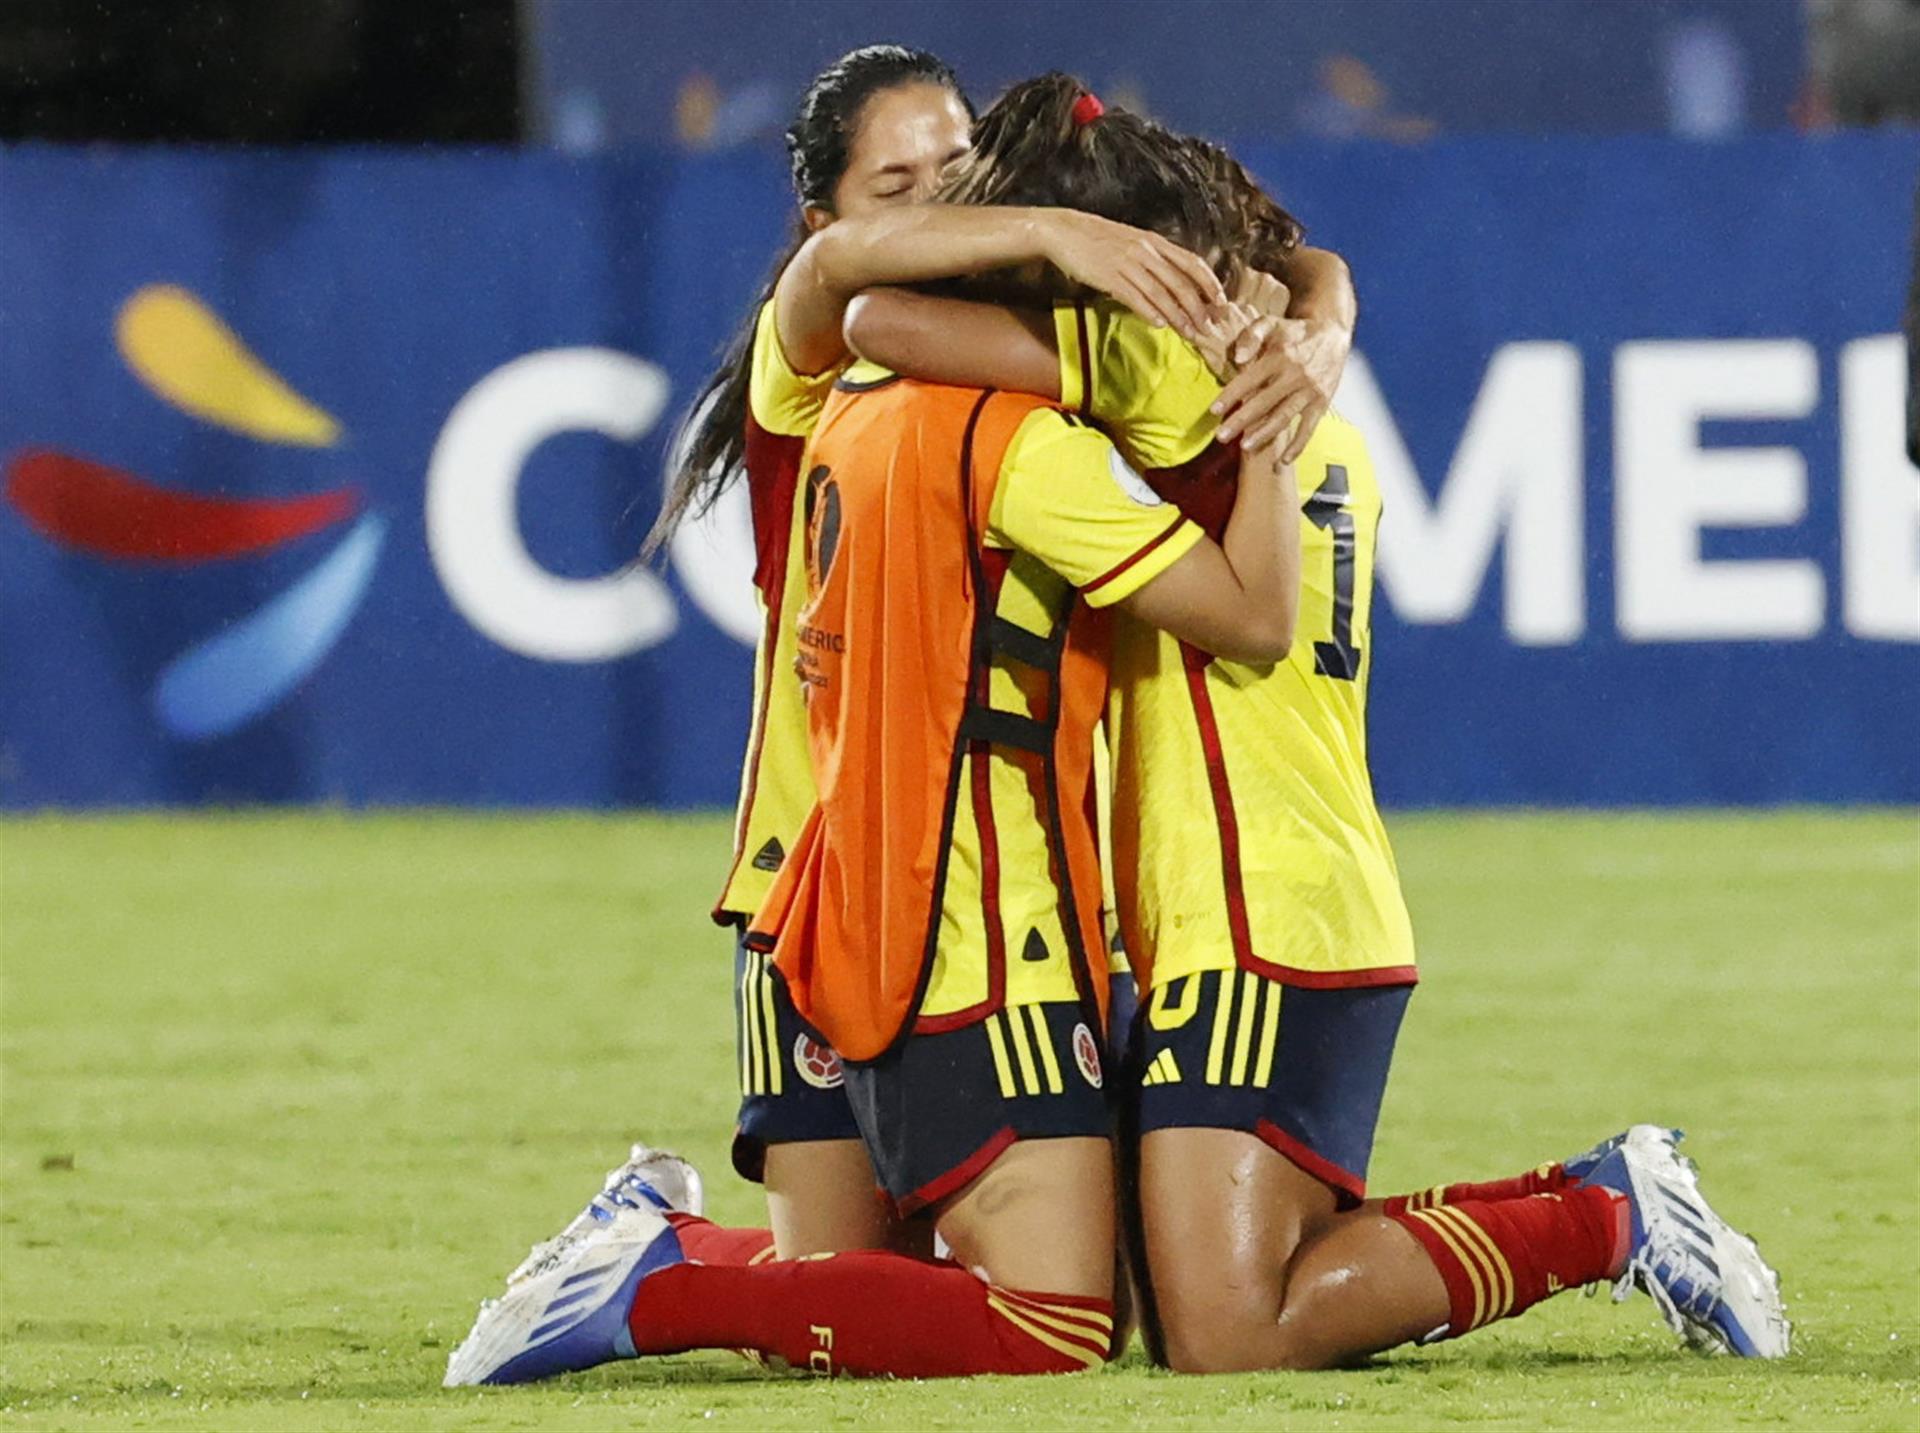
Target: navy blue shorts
(1123,1003)
(937,1111)
(1304,1070)
(792,1087)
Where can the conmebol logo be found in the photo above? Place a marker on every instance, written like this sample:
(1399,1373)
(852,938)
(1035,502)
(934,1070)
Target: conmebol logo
(181,351)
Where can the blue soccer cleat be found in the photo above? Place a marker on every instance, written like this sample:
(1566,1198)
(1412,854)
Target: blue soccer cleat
(650,1177)
(570,1314)
(1582,1165)
(1708,1279)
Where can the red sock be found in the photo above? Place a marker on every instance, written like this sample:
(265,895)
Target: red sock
(708,1243)
(869,1313)
(1547,1179)
(1501,1257)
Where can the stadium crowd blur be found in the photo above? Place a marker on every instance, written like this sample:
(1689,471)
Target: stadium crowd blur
(586,75)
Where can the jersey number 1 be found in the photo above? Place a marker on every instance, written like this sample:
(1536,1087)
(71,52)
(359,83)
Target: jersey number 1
(1327,508)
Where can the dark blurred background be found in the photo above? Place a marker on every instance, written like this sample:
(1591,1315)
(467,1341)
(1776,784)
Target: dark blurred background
(583,75)
(263,71)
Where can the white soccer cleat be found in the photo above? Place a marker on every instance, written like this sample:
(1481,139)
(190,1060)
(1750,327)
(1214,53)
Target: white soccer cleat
(571,1313)
(1579,1166)
(1708,1279)
(650,1176)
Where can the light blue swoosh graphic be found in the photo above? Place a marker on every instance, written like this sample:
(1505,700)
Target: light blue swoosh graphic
(226,681)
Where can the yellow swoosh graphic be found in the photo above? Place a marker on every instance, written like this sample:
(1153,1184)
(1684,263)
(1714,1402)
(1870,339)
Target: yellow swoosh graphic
(180,349)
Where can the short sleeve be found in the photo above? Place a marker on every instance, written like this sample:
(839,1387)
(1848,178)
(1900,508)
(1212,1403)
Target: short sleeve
(1067,496)
(1147,386)
(783,402)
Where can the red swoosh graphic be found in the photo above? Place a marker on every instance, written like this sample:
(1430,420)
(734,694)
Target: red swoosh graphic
(110,513)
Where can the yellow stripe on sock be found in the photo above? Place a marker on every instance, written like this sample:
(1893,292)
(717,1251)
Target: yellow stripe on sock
(1467,1262)
(1053,1318)
(1501,1301)
(1001,1065)
(1466,1230)
(1269,1034)
(1448,1218)
(1099,1324)
(1079,1352)
(1045,1042)
(1243,1035)
(1029,1077)
(775,1076)
(1222,1018)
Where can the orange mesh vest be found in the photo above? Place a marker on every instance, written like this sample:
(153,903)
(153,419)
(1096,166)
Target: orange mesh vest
(899,640)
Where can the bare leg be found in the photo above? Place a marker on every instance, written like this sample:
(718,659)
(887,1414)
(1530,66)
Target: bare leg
(1252,1267)
(1039,1217)
(822,1199)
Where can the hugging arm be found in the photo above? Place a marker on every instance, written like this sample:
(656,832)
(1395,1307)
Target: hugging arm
(1297,374)
(921,242)
(1237,598)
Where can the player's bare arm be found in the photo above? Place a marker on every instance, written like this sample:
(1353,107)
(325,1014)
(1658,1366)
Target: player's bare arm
(1287,366)
(1158,279)
(957,341)
(1237,598)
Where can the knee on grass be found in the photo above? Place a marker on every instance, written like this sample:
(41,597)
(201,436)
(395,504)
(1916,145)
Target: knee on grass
(1244,1322)
(1231,1325)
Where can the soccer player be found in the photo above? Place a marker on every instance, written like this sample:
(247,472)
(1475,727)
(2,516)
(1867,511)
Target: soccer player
(1037,1213)
(1258,894)
(873,133)
(937,919)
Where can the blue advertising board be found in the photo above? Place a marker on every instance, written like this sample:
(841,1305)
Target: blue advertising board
(324,471)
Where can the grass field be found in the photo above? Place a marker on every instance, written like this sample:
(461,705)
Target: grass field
(284,1096)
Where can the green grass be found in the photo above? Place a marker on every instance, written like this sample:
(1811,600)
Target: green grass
(284,1096)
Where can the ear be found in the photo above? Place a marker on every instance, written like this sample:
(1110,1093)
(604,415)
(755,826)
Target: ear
(815,218)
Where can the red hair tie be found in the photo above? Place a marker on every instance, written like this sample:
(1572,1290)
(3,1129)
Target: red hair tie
(1087,109)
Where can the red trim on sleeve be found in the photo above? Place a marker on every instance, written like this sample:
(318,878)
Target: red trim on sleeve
(1345,1183)
(961,1175)
(1115,571)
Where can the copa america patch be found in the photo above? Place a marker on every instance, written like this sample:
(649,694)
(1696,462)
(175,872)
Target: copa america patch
(1086,1054)
(1131,483)
(817,1064)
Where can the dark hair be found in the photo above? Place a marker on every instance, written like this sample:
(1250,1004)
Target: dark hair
(711,444)
(1261,233)
(1038,146)
(1032,148)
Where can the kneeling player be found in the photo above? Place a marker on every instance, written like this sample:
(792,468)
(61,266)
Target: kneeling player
(1260,903)
(944,935)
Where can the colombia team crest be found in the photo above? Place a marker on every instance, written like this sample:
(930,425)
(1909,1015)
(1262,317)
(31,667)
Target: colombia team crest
(1086,1054)
(817,1064)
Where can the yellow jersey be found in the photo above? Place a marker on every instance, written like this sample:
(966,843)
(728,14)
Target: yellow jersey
(776,781)
(1244,829)
(940,867)
(1071,516)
